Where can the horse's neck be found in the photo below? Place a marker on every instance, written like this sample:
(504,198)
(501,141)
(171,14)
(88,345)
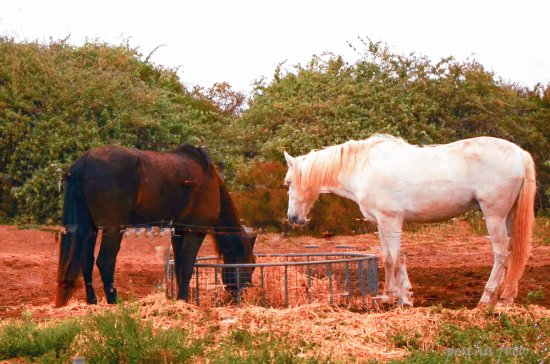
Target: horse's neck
(229,217)
(230,236)
(341,191)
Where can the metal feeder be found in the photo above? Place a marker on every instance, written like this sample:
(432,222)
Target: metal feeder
(282,280)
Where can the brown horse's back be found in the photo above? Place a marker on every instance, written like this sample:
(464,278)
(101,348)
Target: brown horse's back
(126,186)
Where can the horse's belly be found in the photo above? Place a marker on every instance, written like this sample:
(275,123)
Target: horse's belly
(438,207)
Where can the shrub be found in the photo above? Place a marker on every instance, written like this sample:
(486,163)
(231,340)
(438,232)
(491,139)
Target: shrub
(24,338)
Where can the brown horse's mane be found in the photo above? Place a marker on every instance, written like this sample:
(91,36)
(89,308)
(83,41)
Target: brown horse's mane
(199,154)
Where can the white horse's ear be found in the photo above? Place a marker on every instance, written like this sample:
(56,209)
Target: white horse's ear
(289,159)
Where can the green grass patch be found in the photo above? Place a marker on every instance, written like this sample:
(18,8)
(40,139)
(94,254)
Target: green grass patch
(118,336)
(534,296)
(541,231)
(494,338)
(240,346)
(406,340)
(25,339)
(503,339)
(121,336)
(423,357)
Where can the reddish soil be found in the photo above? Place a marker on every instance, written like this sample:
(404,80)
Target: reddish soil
(448,265)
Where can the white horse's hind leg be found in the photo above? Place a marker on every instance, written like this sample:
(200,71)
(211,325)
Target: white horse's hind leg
(496,227)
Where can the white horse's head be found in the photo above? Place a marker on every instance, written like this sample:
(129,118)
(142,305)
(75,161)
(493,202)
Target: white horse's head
(300,197)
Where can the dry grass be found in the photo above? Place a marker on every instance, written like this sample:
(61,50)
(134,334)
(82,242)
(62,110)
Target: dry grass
(328,331)
(333,331)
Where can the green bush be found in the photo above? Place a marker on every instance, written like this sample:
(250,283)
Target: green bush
(242,347)
(25,339)
(58,100)
(121,336)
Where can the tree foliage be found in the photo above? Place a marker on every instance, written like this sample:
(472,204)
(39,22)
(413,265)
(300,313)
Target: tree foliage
(57,100)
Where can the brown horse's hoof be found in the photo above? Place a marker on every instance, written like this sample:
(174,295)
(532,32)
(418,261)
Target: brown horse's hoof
(111,296)
(91,298)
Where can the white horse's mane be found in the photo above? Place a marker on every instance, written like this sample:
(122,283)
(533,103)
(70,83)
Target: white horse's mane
(321,168)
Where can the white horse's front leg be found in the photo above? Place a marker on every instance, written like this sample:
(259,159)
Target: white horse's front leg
(397,284)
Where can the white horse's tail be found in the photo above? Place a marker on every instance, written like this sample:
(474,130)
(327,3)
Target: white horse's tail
(522,228)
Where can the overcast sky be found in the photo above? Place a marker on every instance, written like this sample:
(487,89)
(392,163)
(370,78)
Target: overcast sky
(240,41)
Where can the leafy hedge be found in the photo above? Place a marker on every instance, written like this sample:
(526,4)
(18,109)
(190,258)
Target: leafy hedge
(58,100)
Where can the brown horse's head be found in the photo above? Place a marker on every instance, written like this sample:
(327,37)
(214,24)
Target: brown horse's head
(237,248)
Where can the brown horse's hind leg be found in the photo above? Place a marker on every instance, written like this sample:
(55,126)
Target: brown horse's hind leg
(185,246)
(106,260)
(88,267)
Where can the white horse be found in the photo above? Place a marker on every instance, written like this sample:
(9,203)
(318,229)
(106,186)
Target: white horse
(393,182)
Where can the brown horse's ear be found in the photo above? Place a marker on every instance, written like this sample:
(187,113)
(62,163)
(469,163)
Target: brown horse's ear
(188,183)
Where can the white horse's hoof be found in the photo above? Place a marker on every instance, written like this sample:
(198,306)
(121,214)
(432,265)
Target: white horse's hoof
(384,299)
(483,303)
(485,298)
(505,301)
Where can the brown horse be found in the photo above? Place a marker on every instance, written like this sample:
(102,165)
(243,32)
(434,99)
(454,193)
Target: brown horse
(110,188)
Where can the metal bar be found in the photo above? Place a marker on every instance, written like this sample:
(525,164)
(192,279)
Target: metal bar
(286,285)
(331,292)
(262,279)
(216,295)
(197,300)
(372,276)
(361,280)
(249,265)
(347,280)
(293,255)
(171,273)
(238,272)
(308,270)
(166,272)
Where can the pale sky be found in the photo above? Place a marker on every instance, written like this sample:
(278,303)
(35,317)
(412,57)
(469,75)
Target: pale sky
(240,41)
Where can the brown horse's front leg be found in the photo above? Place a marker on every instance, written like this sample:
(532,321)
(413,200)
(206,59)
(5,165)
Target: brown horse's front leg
(186,246)
(106,261)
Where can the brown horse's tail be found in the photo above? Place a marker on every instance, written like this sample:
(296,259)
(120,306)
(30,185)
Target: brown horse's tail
(522,228)
(79,227)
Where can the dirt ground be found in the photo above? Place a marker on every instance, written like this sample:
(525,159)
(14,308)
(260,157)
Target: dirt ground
(447,264)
